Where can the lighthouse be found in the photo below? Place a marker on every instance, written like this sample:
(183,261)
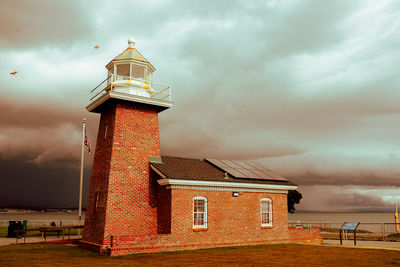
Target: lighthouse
(120,199)
(140,201)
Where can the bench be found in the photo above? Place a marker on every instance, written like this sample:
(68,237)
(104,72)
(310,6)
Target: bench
(45,230)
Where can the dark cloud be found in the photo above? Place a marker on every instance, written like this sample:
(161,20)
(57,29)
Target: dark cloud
(27,24)
(299,85)
(42,132)
(206,144)
(340,199)
(30,114)
(358,201)
(53,186)
(354,178)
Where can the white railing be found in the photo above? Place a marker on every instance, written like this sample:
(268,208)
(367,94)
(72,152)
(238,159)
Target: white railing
(365,230)
(123,84)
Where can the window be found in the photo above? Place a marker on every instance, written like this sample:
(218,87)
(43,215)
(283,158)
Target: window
(266,212)
(123,71)
(105,130)
(110,73)
(96,200)
(199,212)
(138,71)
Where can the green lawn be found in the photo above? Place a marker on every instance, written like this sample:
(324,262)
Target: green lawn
(264,255)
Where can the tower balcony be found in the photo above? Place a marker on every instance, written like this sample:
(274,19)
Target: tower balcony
(130,89)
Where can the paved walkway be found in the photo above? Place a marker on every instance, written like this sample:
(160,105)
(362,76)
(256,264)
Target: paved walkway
(363,244)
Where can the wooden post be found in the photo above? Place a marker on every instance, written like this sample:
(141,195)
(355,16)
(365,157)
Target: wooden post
(355,237)
(340,234)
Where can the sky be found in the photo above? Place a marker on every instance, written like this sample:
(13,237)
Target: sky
(310,89)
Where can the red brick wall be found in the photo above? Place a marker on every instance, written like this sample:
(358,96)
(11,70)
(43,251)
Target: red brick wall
(300,235)
(164,210)
(120,172)
(95,217)
(230,219)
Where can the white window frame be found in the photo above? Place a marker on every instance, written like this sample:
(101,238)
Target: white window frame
(268,201)
(204,225)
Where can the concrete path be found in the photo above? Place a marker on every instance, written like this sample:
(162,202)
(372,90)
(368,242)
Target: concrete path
(363,244)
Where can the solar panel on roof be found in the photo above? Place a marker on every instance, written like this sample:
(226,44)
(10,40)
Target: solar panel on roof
(246,169)
(255,165)
(262,174)
(243,165)
(248,174)
(218,163)
(235,172)
(230,163)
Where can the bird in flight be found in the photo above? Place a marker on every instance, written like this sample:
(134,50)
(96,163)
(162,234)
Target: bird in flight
(13,73)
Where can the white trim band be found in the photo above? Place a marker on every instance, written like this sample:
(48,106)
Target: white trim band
(230,189)
(225,184)
(123,96)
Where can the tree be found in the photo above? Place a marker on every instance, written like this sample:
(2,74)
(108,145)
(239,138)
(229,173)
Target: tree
(293,198)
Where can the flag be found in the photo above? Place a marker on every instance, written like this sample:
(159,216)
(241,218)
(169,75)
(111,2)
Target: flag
(87,143)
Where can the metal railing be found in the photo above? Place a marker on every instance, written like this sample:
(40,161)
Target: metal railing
(4,223)
(365,231)
(114,83)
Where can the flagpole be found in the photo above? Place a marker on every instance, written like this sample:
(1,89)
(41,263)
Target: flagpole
(81,177)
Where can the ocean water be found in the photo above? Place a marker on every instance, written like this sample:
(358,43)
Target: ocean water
(340,217)
(15,215)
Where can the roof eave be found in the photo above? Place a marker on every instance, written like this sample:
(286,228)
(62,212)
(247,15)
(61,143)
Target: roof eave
(131,60)
(169,181)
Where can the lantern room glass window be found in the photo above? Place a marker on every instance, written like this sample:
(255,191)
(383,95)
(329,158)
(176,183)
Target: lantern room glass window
(138,72)
(199,212)
(109,75)
(123,71)
(131,71)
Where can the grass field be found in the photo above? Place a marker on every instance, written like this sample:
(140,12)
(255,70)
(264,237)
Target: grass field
(264,255)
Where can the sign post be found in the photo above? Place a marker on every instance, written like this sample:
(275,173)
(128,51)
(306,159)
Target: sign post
(349,226)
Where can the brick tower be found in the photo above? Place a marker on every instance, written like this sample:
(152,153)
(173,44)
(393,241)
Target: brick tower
(120,201)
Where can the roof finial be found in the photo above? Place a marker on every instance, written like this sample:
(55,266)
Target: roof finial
(131,42)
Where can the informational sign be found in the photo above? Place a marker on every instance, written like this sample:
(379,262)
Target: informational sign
(351,226)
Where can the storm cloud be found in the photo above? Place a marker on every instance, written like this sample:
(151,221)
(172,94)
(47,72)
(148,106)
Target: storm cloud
(308,88)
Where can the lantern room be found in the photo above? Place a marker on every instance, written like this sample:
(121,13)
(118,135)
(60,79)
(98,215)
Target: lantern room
(130,77)
(131,72)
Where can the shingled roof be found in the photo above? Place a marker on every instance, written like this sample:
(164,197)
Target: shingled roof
(130,54)
(200,170)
